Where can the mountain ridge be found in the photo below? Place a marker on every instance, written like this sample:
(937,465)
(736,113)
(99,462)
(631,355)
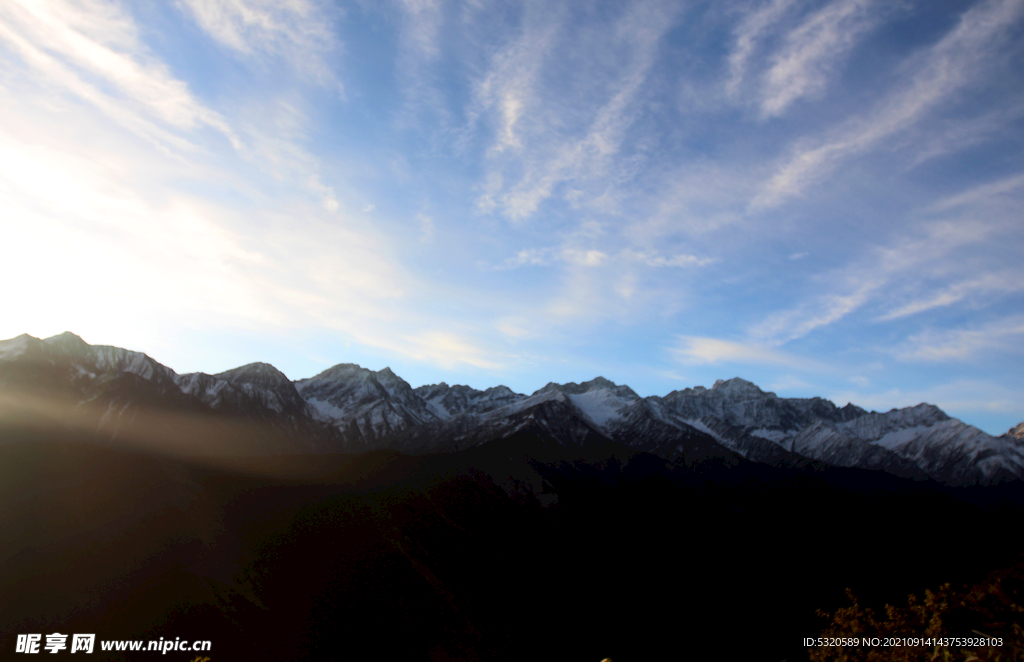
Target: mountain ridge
(348,408)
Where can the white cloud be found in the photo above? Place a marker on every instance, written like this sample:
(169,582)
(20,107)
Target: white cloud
(809,57)
(89,47)
(681,260)
(93,50)
(971,289)
(954,135)
(530,257)
(516,327)
(907,260)
(1005,335)
(584,258)
(698,198)
(702,350)
(423,24)
(981,194)
(275,137)
(441,348)
(579,257)
(942,70)
(298,31)
(575,142)
(750,31)
(509,86)
(788,325)
(808,54)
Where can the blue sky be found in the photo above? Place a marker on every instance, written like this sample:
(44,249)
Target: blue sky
(825,198)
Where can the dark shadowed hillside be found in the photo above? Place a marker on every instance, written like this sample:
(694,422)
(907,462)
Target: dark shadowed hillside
(518,548)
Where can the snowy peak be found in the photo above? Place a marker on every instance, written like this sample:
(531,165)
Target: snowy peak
(393,384)
(341,372)
(365,409)
(352,374)
(450,401)
(736,387)
(595,384)
(257,374)
(371,406)
(740,403)
(601,401)
(872,426)
(68,344)
(263,383)
(93,360)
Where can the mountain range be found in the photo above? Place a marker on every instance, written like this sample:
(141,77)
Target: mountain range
(350,409)
(350,512)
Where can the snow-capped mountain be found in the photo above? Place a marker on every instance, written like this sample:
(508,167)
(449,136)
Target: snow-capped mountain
(252,388)
(914,441)
(447,402)
(348,408)
(118,392)
(367,407)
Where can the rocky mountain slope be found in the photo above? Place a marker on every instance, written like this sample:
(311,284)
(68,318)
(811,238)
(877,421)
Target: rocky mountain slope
(348,408)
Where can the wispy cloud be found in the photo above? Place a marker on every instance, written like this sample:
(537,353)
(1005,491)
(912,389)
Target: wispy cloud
(509,89)
(93,51)
(944,69)
(579,257)
(702,350)
(963,344)
(442,348)
(576,153)
(1003,282)
(517,327)
(423,26)
(275,137)
(751,30)
(425,109)
(954,135)
(698,198)
(92,47)
(595,258)
(654,260)
(875,275)
(981,194)
(808,60)
(297,31)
